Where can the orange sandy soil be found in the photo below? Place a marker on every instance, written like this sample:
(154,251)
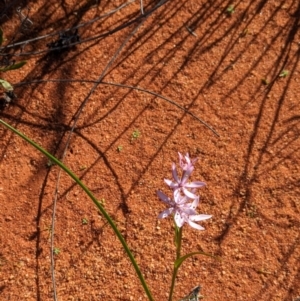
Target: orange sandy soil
(225,69)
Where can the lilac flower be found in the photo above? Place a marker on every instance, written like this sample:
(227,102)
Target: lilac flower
(187,166)
(183,211)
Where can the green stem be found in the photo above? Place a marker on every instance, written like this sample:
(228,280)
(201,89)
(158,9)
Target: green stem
(178,237)
(89,193)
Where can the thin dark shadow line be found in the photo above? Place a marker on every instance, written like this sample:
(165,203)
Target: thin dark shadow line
(127,87)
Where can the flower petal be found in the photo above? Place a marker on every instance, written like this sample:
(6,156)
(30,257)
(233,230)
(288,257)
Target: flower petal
(187,210)
(166,213)
(186,174)
(171,184)
(189,194)
(164,198)
(174,173)
(178,219)
(199,217)
(178,197)
(187,158)
(195,203)
(194,225)
(195,184)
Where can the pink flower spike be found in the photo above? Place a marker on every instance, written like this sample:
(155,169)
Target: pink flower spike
(184,202)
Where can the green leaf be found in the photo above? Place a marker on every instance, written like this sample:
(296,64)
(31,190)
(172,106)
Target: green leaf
(136,134)
(177,235)
(230,9)
(13,67)
(56,251)
(1,36)
(180,260)
(6,85)
(284,73)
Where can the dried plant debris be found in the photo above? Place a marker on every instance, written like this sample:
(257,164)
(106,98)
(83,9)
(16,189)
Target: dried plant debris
(26,23)
(65,41)
(6,98)
(193,295)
